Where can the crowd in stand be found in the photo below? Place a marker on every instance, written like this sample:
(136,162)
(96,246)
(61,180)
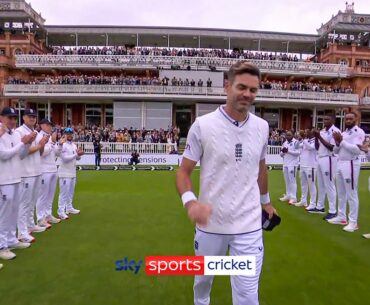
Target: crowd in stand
(124,135)
(277,137)
(131,135)
(188,52)
(304,86)
(181,58)
(74,79)
(71,79)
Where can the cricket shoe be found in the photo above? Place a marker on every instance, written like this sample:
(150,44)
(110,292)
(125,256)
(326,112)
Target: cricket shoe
(311,207)
(300,204)
(316,211)
(19,245)
(27,238)
(351,227)
(320,211)
(6,254)
(63,216)
(338,221)
(36,229)
(44,224)
(330,216)
(73,211)
(52,219)
(284,198)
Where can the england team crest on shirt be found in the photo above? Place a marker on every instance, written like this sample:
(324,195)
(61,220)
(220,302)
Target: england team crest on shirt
(238,152)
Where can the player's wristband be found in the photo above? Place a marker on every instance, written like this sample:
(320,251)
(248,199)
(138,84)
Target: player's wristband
(265,198)
(188,196)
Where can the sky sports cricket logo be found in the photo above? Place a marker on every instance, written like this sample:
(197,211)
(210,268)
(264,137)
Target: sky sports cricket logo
(190,265)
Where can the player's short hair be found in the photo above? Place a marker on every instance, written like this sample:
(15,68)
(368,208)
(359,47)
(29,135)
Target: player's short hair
(331,115)
(242,67)
(290,131)
(354,114)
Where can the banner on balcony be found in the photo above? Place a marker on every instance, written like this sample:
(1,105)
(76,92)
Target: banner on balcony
(123,159)
(162,159)
(149,159)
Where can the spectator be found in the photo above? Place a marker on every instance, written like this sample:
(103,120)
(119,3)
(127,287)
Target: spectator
(134,158)
(97,151)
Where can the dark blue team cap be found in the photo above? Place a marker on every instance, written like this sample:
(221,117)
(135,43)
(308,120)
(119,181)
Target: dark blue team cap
(30,112)
(9,111)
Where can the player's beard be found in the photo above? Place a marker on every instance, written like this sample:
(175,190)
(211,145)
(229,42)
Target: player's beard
(349,126)
(242,105)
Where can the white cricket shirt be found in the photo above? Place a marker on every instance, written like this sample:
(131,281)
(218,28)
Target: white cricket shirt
(327,135)
(229,156)
(308,156)
(10,150)
(31,165)
(68,157)
(49,155)
(348,149)
(290,158)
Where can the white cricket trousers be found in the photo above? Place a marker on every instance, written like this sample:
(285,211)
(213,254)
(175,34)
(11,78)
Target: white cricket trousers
(308,184)
(66,192)
(290,181)
(326,169)
(348,173)
(44,205)
(29,194)
(9,203)
(244,288)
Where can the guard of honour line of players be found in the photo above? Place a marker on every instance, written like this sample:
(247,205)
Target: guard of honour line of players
(28,178)
(331,159)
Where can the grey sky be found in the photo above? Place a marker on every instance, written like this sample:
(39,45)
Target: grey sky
(265,15)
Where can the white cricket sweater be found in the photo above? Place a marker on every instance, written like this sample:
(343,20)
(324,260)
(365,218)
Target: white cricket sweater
(31,164)
(229,157)
(68,157)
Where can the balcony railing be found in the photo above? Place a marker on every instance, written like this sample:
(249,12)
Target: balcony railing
(128,148)
(169,92)
(145,148)
(195,63)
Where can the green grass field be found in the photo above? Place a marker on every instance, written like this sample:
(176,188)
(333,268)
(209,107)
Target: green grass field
(135,214)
